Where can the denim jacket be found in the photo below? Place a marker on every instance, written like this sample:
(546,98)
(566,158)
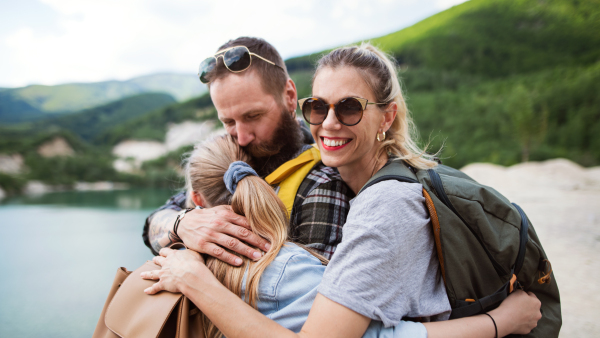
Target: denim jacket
(288,287)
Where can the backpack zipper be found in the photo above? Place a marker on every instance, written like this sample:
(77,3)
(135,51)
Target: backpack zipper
(436,180)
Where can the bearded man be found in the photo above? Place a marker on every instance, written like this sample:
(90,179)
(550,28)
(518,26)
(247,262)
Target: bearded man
(256,102)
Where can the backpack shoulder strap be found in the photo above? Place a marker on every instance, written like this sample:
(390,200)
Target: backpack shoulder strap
(394,170)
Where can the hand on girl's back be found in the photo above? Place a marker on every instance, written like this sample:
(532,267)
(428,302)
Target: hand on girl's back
(175,264)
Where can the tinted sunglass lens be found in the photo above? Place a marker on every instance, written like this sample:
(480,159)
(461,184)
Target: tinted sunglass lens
(206,67)
(314,111)
(237,59)
(349,111)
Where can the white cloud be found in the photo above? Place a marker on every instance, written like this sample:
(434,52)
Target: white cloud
(90,40)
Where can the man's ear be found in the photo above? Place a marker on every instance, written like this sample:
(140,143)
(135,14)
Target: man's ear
(389,115)
(198,199)
(290,96)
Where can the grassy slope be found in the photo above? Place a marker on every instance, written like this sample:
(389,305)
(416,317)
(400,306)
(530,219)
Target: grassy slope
(495,38)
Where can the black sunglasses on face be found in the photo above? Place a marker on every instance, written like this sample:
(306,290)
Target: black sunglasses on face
(237,59)
(349,111)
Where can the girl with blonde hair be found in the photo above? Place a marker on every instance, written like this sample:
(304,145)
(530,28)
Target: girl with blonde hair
(386,268)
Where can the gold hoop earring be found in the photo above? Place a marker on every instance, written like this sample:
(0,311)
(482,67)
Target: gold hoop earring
(383,138)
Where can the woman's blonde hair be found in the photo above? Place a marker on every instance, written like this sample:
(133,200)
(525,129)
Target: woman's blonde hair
(380,73)
(253,198)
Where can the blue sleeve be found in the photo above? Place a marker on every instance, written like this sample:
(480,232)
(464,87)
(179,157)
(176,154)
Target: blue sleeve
(402,330)
(294,291)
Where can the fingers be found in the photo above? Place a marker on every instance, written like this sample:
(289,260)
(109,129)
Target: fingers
(227,213)
(238,246)
(221,254)
(159,260)
(219,227)
(152,275)
(165,252)
(252,238)
(155,288)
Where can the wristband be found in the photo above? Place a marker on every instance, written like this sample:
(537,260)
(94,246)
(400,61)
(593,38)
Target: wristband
(178,220)
(493,321)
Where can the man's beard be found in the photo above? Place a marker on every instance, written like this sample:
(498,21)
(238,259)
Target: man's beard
(286,142)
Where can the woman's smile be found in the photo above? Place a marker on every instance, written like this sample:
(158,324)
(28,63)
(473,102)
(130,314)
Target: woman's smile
(334,143)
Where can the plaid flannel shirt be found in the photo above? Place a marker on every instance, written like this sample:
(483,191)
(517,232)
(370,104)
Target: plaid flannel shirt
(318,214)
(320,209)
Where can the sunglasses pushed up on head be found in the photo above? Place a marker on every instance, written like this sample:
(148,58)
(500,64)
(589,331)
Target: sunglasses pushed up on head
(348,111)
(236,59)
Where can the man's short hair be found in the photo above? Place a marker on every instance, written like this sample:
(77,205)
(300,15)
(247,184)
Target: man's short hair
(273,78)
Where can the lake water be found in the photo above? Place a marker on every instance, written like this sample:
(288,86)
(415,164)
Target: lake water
(59,254)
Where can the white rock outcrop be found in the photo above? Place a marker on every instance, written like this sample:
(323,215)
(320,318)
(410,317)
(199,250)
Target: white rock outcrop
(58,146)
(132,153)
(37,188)
(187,133)
(11,164)
(99,186)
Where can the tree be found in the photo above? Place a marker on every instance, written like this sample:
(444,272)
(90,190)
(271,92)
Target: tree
(529,124)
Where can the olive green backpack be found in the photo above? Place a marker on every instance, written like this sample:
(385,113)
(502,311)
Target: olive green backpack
(486,245)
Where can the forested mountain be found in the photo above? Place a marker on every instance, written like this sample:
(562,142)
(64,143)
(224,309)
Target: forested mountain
(90,123)
(495,38)
(38,101)
(86,125)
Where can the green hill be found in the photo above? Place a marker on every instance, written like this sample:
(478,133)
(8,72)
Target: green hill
(85,125)
(90,123)
(14,109)
(36,101)
(495,38)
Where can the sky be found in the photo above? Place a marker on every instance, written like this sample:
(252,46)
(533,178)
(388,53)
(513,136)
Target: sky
(60,41)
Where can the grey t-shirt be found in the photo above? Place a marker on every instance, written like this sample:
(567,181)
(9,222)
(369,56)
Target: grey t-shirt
(386,267)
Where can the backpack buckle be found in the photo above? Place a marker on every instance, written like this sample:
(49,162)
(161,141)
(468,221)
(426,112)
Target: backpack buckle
(544,272)
(513,280)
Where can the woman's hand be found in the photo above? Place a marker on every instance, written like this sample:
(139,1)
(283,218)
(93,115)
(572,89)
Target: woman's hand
(176,264)
(518,314)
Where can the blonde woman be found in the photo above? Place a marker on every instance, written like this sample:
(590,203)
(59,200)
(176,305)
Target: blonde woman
(283,284)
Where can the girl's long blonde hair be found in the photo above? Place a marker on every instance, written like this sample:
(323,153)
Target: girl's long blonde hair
(253,198)
(380,73)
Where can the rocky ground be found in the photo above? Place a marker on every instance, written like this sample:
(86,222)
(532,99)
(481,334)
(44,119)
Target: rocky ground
(562,201)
